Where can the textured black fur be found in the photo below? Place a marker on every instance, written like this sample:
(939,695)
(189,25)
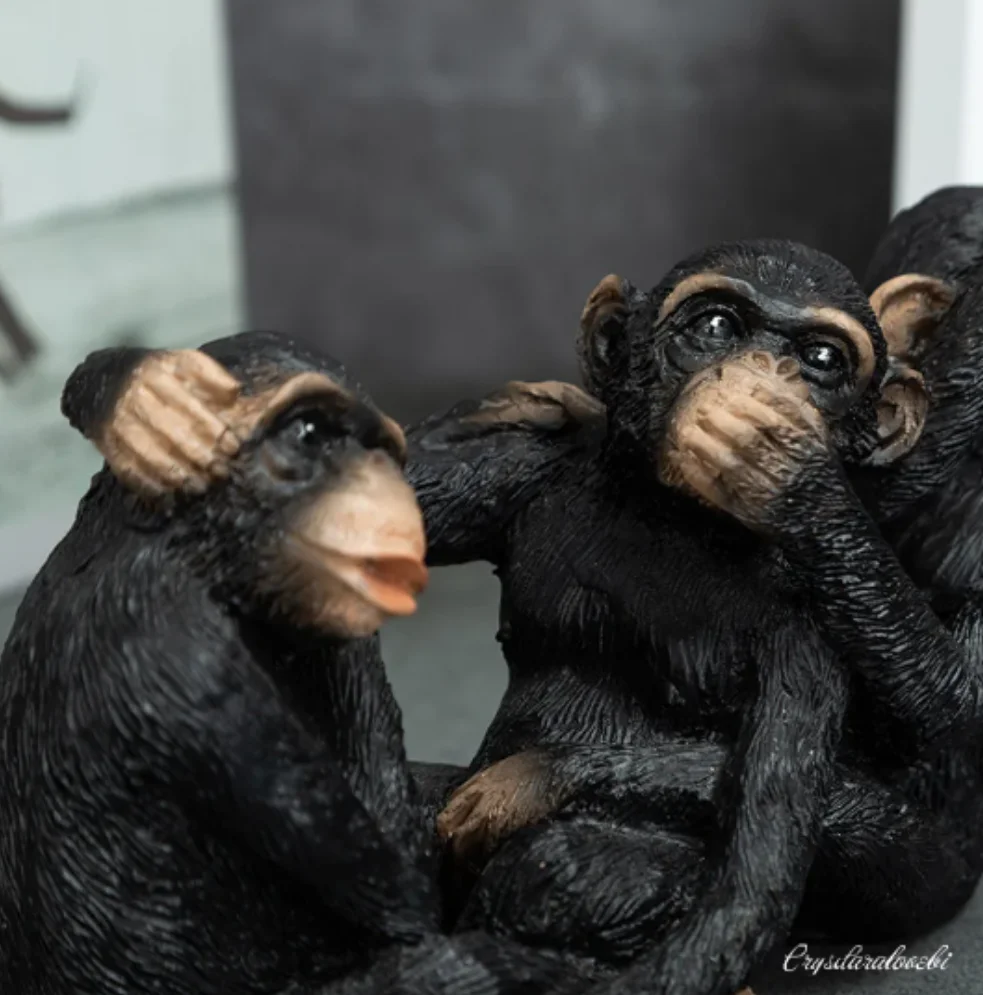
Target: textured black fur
(931,504)
(623,612)
(636,626)
(197,795)
(194,795)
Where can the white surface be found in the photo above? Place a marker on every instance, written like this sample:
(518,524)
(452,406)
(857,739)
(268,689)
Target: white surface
(153,113)
(940,107)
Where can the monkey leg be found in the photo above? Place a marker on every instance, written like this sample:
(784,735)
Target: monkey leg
(887,869)
(472,963)
(588,885)
(670,784)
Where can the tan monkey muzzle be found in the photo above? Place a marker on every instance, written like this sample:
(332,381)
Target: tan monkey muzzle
(368,535)
(739,431)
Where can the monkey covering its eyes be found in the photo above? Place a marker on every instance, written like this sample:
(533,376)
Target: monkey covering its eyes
(203,787)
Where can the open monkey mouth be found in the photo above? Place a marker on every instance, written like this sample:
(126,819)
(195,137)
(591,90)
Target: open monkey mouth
(389,582)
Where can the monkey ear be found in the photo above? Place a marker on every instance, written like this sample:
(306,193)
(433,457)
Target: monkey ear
(901,412)
(909,309)
(601,324)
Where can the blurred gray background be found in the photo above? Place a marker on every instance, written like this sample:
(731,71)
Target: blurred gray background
(432,188)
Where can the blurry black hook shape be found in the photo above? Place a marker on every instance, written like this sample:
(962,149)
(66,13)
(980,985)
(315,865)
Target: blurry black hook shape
(23,344)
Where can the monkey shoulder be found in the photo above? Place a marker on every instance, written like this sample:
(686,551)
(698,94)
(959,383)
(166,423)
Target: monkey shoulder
(477,465)
(131,640)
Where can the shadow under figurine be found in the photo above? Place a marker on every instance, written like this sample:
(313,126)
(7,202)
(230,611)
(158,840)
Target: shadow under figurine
(669,596)
(203,786)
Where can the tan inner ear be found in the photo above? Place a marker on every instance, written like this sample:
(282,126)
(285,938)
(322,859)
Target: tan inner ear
(901,413)
(606,298)
(908,308)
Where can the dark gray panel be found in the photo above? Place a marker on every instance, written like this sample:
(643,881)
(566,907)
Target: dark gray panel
(432,188)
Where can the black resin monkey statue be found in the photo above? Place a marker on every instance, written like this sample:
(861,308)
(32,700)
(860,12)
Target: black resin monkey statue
(663,570)
(200,755)
(823,558)
(926,282)
(930,505)
(203,787)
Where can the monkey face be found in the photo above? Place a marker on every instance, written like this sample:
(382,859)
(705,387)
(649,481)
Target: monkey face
(711,323)
(744,364)
(337,539)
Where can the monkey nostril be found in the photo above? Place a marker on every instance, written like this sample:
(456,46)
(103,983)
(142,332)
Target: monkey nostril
(762,360)
(788,368)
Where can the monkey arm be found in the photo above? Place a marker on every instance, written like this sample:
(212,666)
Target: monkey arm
(773,800)
(364,733)
(672,782)
(262,777)
(476,465)
(926,677)
(473,467)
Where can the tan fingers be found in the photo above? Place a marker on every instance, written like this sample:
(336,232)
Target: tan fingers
(205,377)
(198,418)
(142,461)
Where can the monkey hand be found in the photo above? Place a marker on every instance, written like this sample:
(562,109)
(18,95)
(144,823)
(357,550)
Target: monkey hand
(510,794)
(549,405)
(741,439)
(171,428)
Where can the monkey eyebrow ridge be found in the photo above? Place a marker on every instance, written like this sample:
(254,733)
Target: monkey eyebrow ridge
(832,319)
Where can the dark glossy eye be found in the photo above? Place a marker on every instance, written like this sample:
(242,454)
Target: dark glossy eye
(717,327)
(825,361)
(311,429)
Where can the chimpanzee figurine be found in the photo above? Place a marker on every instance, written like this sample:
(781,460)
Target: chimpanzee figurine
(926,281)
(204,787)
(640,610)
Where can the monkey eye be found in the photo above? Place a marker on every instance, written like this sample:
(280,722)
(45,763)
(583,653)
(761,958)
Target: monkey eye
(824,363)
(310,429)
(717,326)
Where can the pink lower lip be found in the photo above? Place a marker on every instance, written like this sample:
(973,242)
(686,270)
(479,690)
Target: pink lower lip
(392,584)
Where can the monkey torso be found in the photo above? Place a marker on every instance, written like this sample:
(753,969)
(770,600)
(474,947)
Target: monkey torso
(114,874)
(627,614)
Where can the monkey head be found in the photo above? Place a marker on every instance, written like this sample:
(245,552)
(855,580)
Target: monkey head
(314,523)
(941,236)
(934,331)
(746,362)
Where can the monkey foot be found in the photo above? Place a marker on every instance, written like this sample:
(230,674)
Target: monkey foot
(495,802)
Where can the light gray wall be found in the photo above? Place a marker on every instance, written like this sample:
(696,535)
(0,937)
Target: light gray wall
(150,83)
(432,188)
